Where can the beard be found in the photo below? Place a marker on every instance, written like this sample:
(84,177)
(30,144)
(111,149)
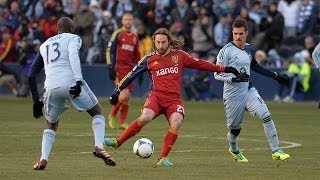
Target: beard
(162,51)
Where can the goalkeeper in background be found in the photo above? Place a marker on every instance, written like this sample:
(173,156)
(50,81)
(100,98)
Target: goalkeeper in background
(240,96)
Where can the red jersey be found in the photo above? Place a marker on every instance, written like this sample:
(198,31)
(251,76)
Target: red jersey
(123,50)
(166,72)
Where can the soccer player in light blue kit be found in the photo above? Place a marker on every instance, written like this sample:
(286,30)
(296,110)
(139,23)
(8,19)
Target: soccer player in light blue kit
(238,94)
(59,56)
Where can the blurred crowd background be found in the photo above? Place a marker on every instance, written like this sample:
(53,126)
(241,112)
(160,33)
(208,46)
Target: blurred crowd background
(277,29)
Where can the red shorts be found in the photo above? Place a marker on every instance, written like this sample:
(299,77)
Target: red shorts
(166,106)
(120,76)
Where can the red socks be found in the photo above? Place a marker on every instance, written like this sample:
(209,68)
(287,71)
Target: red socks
(123,113)
(124,108)
(168,143)
(133,129)
(115,109)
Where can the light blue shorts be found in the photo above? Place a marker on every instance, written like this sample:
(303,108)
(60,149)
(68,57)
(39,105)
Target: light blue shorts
(235,107)
(55,105)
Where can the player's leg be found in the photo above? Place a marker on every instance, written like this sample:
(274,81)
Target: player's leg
(150,111)
(113,113)
(54,106)
(175,114)
(234,109)
(124,99)
(170,138)
(133,129)
(256,106)
(87,101)
(48,138)
(98,128)
(98,125)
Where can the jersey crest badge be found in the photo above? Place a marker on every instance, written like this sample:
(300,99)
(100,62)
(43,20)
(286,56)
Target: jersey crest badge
(175,59)
(155,63)
(123,39)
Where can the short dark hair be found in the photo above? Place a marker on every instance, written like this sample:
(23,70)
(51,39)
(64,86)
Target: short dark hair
(240,22)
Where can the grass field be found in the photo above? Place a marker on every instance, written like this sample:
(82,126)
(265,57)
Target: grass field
(200,151)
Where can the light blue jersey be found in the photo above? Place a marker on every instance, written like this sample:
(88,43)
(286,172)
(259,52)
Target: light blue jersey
(238,96)
(231,55)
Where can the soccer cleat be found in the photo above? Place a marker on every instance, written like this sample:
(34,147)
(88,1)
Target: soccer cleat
(164,162)
(112,122)
(111,142)
(101,153)
(280,155)
(40,165)
(239,157)
(123,126)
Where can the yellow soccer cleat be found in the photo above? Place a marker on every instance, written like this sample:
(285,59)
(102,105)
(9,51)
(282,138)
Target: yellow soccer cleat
(123,126)
(280,155)
(164,162)
(112,122)
(239,157)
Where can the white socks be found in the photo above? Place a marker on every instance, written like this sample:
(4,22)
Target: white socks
(48,137)
(98,127)
(47,142)
(271,134)
(233,142)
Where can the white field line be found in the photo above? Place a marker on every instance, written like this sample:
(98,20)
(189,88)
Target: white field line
(285,146)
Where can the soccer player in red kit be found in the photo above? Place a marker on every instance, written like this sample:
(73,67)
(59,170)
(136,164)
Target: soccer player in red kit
(122,54)
(164,65)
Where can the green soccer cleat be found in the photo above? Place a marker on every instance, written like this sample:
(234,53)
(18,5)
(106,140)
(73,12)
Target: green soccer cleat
(111,142)
(164,162)
(239,157)
(123,126)
(280,155)
(112,122)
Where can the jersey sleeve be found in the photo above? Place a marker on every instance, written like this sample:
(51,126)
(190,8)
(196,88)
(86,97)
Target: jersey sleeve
(200,64)
(73,48)
(138,69)
(256,67)
(36,67)
(223,60)
(111,53)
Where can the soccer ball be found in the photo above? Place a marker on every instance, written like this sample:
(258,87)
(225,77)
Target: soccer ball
(143,148)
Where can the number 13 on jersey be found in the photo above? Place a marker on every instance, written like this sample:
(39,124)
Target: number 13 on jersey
(52,52)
